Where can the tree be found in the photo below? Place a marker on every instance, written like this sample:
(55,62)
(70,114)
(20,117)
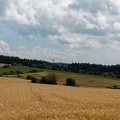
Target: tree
(49,79)
(34,80)
(70,82)
(29,77)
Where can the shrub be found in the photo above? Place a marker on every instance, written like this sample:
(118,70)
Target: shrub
(19,75)
(33,71)
(29,77)
(12,73)
(6,66)
(70,82)
(6,73)
(19,72)
(115,87)
(34,80)
(50,79)
(43,80)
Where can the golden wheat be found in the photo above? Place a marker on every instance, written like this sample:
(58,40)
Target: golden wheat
(22,100)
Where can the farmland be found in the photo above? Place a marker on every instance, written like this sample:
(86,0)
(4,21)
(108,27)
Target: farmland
(90,100)
(20,99)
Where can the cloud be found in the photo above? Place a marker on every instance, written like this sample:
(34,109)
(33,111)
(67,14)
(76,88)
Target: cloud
(90,55)
(72,25)
(3,5)
(4,48)
(36,52)
(44,18)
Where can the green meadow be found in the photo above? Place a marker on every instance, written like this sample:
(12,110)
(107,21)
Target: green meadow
(81,79)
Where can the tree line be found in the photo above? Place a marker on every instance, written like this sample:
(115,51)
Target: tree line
(84,68)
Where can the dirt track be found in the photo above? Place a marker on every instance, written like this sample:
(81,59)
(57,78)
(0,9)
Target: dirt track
(22,100)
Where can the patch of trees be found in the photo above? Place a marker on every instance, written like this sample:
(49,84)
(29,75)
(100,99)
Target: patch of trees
(94,69)
(49,79)
(26,62)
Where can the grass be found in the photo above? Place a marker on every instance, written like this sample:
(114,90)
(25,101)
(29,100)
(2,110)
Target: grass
(81,79)
(20,99)
(24,69)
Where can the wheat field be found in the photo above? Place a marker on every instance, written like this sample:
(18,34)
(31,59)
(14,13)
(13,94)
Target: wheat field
(22,100)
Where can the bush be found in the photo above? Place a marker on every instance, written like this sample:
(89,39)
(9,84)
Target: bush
(43,80)
(70,82)
(19,72)
(6,66)
(50,79)
(29,77)
(114,87)
(12,73)
(19,75)
(34,80)
(6,73)
(33,71)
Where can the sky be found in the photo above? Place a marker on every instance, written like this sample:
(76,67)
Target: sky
(84,31)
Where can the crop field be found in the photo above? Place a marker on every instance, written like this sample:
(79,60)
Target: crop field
(22,100)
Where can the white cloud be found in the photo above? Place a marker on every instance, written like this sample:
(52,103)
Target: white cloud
(90,55)
(85,25)
(36,52)
(114,45)
(102,20)
(24,18)
(116,25)
(21,48)
(4,48)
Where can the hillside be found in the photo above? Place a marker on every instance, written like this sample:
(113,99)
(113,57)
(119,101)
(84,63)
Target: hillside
(20,99)
(81,79)
(112,71)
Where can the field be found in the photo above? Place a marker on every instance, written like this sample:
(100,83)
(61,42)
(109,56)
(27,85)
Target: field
(20,99)
(24,69)
(91,100)
(81,79)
